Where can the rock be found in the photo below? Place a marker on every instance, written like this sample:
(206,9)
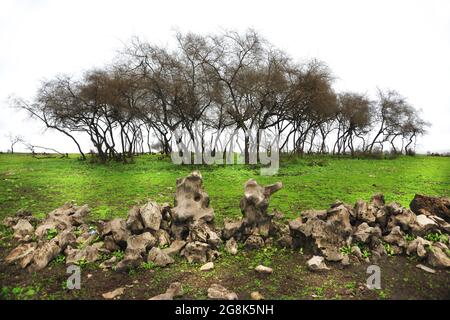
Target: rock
(377,200)
(231,246)
(417,246)
(254,206)
(394,208)
(339,218)
(406,219)
(108,264)
(151,216)
(132,259)
(218,292)
(254,242)
(134,221)
(309,214)
(432,205)
(163,238)
(255,295)
(88,254)
(231,229)
(202,232)
(323,237)
(437,258)
(264,270)
(425,268)
(198,252)
(110,244)
(375,256)
(191,201)
(207,266)
(175,247)
(159,258)
(443,225)
(118,229)
(363,233)
(424,225)
(396,237)
(316,263)
(345,261)
(49,250)
(22,229)
(114,294)
(23,254)
(141,242)
(357,251)
(364,212)
(175,290)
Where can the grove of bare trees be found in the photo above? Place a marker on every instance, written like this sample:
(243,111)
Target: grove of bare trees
(210,84)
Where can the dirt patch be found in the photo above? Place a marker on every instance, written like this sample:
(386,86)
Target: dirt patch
(290,280)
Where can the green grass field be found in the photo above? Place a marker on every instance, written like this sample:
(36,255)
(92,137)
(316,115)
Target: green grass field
(309,182)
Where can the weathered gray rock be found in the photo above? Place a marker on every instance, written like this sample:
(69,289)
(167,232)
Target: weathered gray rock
(191,201)
(49,250)
(202,232)
(364,212)
(108,264)
(418,247)
(254,242)
(88,254)
(132,259)
(141,242)
(114,294)
(22,255)
(437,258)
(254,206)
(231,229)
(22,228)
(175,247)
(159,258)
(396,237)
(231,246)
(256,295)
(134,221)
(175,290)
(425,268)
(317,263)
(218,292)
(151,216)
(207,266)
(110,244)
(263,269)
(198,252)
(117,228)
(163,238)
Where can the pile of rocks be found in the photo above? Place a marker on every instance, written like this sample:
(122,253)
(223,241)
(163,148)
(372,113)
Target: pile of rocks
(152,233)
(155,233)
(343,232)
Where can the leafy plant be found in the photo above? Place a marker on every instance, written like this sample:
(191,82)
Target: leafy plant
(60,259)
(148,265)
(51,233)
(409,237)
(389,250)
(366,253)
(346,250)
(119,254)
(81,263)
(437,237)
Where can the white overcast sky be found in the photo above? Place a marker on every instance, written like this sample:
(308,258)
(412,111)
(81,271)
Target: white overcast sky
(403,45)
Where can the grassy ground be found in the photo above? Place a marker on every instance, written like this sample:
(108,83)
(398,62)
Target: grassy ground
(310,182)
